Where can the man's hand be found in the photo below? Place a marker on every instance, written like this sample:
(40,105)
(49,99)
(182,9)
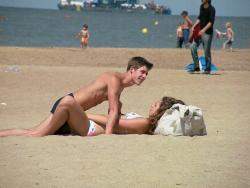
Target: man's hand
(201,32)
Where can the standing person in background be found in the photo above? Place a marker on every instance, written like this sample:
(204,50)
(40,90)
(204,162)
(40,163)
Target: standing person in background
(179,36)
(230,36)
(187,24)
(206,21)
(84,35)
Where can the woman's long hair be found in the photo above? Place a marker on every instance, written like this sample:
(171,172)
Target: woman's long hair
(166,103)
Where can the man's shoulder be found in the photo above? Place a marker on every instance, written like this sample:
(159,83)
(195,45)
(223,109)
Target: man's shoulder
(212,7)
(110,76)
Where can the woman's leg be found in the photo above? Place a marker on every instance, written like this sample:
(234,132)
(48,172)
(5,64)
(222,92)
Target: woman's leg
(24,132)
(14,132)
(35,131)
(67,110)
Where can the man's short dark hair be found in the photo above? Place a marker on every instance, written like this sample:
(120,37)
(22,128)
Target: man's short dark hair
(137,62)
(184,13)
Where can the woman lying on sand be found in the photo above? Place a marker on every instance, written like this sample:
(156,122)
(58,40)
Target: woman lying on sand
(132,124)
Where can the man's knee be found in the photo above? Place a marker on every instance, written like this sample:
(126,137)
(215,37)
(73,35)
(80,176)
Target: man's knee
(67,102)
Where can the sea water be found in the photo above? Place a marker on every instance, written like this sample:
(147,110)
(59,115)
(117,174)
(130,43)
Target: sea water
(58,28)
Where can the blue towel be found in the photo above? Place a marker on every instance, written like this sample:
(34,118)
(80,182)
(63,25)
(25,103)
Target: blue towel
(202,61)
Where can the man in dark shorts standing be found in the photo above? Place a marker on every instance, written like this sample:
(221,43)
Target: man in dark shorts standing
(206,21)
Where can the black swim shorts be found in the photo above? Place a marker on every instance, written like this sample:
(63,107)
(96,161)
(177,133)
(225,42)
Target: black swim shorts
(64,129)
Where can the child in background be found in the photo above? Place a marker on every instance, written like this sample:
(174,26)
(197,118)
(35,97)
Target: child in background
(230,37)
(179,36)
(84,35)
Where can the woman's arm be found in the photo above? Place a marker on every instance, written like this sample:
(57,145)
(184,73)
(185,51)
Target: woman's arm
(133,126)
(99,119)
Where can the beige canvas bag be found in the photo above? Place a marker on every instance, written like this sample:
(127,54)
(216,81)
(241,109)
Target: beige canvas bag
(182,120)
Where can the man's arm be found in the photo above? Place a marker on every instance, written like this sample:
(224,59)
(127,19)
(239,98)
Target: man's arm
(88,35)
(189,21)
(209,24)
(114,107)
(78,35)
(195,24)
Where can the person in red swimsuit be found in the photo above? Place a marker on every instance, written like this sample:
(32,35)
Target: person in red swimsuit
(84,35)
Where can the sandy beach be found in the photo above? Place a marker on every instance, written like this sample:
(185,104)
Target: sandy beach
(31,79)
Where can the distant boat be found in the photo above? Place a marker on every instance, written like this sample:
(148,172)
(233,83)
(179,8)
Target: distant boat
(163,10)
(112,5)
(71,5)
(159,9)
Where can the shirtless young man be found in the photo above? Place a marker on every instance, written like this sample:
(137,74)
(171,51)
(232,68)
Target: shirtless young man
(68,113)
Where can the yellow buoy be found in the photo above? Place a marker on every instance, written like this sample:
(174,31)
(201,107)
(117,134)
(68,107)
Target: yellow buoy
(144,30)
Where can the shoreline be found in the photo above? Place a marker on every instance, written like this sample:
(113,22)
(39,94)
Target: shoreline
(166,58)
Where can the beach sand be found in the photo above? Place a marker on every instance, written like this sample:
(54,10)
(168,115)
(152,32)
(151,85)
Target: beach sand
(31,79)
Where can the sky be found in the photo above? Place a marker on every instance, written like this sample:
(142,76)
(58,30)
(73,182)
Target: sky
(223,7)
